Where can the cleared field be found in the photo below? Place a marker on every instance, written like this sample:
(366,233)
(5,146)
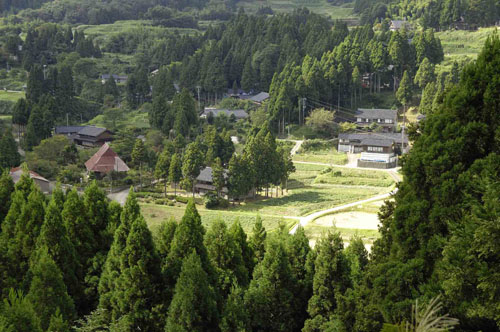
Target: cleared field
(136,119)
(459,45)
(305,196)
(354,177)
(11,95)
(316,6)
(156,214)
(320,151)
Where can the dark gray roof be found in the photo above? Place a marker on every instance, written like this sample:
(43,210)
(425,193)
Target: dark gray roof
(395,137)
(107,76)
(377,142)
(260,97)
(376,113)
(91,131)
(206,175)
(64,130)
(239,114)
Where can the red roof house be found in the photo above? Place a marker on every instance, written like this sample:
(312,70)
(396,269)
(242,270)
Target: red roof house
(105,160)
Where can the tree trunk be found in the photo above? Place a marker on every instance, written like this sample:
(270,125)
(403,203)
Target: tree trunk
(175,189)
(165,182)
(140,174)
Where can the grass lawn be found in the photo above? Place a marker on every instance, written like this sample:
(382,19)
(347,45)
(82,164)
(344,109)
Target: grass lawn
(156,214)
(286,6)
(11,96)
(315,232)
(459,44)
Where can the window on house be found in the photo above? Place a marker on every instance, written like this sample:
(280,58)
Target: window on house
(388,120)
(375,149)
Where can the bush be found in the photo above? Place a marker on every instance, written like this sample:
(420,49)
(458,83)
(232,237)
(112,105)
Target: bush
(211,200)
(316,145)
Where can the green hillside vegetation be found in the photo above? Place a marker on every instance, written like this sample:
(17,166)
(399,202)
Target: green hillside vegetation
(285,6)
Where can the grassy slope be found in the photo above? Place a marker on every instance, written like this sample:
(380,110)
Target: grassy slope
(11,96)
(458,45)
(285,6)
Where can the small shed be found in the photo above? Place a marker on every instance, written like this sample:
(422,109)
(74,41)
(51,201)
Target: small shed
(40,181)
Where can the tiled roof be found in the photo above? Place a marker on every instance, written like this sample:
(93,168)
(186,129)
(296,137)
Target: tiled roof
(64,130)
(260,97)
(91,131)
(16,173)
(377,142)
(395,137)
(206,175)
(106,160)
(239,114)
(376,113)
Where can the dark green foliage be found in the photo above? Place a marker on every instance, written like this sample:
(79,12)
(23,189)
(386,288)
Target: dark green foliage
(258,239)
(193,306)
(240,239)
(163,240)
(404,93)
(226,257)
(331,278)
(17,314)
(192,162)
(6,189)
(9,156)
(136,292)
(47,291)
(54,237)
(357,256)
(97,214)
(234,316)
(188,237)
(270,299)
(175,171)
(427,234)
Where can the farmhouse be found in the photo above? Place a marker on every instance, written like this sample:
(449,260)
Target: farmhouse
(40,181)
(117,78)
(104,161)
(205,183)
(87,136)
(385,118)
(398,25)
(238,114)
(357,143)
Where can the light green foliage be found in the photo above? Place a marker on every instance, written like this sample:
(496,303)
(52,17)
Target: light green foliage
(425,74)
(321,120)
(17,314)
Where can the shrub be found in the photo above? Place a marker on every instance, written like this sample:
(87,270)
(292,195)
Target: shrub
(211,200)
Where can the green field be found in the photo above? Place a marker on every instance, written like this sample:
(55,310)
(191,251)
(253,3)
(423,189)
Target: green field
(459,45)
(354,177)
(320,151)
(156,214)
(285,6)
(136,119)
(11,96)
(304,197)
(103,32)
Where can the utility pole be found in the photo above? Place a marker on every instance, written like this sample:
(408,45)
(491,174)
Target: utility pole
(198,88)
(304,100)
(403,131)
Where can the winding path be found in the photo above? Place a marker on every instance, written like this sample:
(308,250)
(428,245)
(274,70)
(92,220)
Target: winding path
(303,221)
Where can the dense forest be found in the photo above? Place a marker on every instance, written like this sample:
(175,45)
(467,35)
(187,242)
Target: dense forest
(106,271)
(438,14)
